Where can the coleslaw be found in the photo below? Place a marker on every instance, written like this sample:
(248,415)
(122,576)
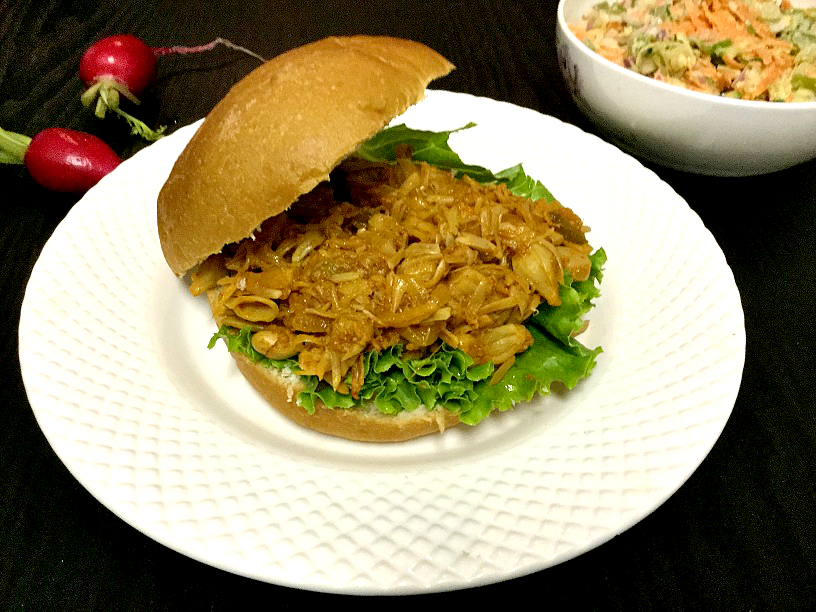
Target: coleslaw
(747,49)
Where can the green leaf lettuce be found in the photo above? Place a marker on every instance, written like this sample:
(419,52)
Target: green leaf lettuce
(449,378)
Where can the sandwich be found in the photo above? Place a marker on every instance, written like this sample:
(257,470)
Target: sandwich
(367,282)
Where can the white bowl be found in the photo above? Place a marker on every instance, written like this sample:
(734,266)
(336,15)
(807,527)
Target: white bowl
(678,128)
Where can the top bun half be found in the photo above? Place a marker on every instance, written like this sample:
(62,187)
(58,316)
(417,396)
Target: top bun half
(279,132)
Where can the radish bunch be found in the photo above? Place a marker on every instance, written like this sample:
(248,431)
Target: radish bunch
(123,65)
(62,159)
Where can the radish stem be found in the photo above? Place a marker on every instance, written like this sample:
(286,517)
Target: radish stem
(181,50)
(139,128)
(13,147)
(105,94)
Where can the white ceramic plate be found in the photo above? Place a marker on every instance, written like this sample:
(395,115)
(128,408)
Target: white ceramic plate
(172,439)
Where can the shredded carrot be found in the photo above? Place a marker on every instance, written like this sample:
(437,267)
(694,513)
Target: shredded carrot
(719,20)
(612,54)
(771,75)
(694,15)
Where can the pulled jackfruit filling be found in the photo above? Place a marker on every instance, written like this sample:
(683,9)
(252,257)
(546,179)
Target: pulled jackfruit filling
(403,253)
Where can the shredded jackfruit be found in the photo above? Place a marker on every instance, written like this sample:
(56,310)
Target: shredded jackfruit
(403,253)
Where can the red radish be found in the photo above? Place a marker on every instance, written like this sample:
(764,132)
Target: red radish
(124,59)
(60,159)
(125,65)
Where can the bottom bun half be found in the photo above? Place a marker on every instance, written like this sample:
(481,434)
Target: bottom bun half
(364,424)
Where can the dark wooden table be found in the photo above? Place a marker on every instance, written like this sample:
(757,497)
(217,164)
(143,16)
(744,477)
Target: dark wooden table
(739,535)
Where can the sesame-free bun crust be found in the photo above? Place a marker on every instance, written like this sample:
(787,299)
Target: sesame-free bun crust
(359,424)
(279,132)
